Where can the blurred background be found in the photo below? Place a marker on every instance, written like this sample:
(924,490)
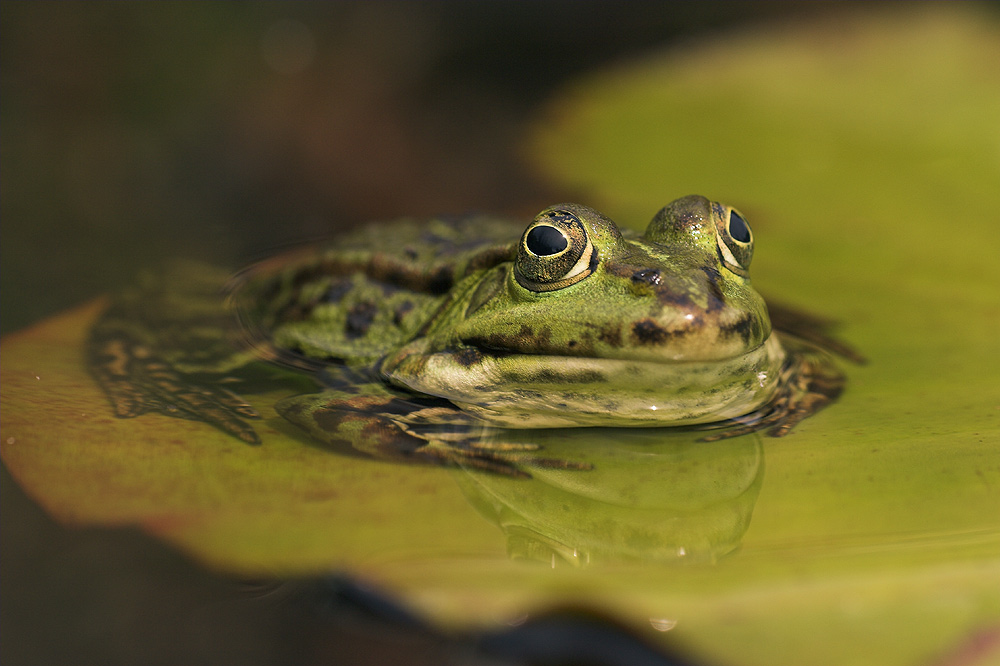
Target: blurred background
(225,130)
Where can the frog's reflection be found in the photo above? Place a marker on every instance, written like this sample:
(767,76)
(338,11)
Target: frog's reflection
(653,495)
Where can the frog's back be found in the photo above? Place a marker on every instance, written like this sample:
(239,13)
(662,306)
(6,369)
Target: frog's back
(369,291)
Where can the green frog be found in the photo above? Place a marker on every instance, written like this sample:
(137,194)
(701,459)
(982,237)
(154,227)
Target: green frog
(418,333)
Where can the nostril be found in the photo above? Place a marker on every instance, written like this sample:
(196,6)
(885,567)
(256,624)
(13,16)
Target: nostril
(646,276)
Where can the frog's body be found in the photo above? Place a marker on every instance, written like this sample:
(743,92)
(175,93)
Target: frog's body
(412,326)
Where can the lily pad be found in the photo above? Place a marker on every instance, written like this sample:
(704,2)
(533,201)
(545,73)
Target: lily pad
(866,153)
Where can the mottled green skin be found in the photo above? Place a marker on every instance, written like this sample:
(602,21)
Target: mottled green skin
(422,332)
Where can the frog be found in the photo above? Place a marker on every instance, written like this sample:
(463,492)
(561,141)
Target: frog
(414,335)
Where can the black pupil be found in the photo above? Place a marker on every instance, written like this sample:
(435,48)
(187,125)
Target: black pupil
(544,241)
(738,228)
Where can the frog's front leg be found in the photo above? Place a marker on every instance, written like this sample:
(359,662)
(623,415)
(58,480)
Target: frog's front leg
(403,428)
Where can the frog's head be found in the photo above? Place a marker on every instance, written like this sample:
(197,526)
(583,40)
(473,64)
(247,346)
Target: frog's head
(580,287)
(591,326)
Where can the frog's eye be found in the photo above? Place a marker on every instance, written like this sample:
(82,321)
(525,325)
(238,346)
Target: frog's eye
(735,241)
(739,230)
(555,252)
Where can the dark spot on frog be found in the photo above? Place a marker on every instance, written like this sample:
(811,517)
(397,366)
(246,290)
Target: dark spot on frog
(669,291)
(400,312)
(713,275)
(648,332)
(388,289)
(360,318)
(292,409)
(337,290)
(747,327)
(527,394)
(440,281)
(468,356)
(411,254)
(611,335)
(646,276)
(392,274)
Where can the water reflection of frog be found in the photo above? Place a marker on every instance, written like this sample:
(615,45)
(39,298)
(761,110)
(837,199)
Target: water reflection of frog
(456,322)
(653,496)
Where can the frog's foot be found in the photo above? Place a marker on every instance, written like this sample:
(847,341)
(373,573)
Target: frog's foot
(137,382)
(413,430)
(810,381)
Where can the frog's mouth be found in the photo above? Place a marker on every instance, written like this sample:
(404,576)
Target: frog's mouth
(667,335)
(537,390)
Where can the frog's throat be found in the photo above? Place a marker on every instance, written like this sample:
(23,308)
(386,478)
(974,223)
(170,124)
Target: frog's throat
(529,391)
